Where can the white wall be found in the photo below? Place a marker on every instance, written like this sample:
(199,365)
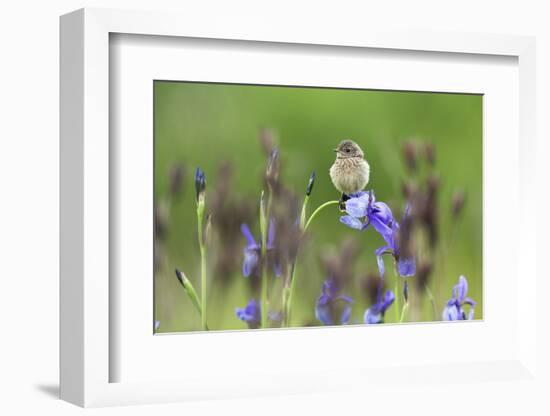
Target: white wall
(29,188)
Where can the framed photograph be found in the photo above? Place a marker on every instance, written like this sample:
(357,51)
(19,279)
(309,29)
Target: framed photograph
(318,214)
(250,213)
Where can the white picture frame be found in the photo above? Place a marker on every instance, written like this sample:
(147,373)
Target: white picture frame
(87,356)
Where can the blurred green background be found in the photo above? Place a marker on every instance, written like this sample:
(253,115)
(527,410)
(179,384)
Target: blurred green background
(208,125)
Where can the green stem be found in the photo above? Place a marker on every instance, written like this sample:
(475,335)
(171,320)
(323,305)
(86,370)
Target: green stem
(203,289)
(397,297)
(194,299)
(397,292)
(190,290)
(264,228)
(202,247)
(264,289)
(405,308)
(404,311)
(289,294)
(317,211)
(304,212)
(432,300)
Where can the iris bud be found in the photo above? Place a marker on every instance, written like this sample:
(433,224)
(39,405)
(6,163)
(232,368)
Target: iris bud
(200,184)
(310,183)
(272,169)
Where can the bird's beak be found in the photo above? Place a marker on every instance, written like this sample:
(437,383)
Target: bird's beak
(336,150)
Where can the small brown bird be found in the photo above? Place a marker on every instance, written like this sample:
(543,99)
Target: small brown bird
(350,172)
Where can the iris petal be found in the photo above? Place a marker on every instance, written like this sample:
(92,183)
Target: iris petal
(240,313)
(454,311)
(250,241)
(382,212)
(250,313)
(372,316)
(469,301)
(462,288)
(383,229)
(345,298)
(375,314)
(357,207)
(388,300)
(451,313)
(406,267)
(324,308)
(322,313)
(379,260)
(251,259)
(351,222)
(345,314)
(271,234)
(329,288)
(382,250)
(323,300)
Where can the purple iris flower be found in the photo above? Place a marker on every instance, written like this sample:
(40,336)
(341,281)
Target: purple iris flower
(327,302)
(363,210)
(375,314)
(454,309)
(252,314)
(252,251)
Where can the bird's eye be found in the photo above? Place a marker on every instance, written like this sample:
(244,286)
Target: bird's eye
(348,150)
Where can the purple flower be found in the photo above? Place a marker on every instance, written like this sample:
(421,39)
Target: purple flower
(375,314)
(363,210)
(253,250)
(325,309)
(200,183)
(252,314)
(454,309)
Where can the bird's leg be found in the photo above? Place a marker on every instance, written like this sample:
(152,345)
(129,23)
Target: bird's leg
(342,203)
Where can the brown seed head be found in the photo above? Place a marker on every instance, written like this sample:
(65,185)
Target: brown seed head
(429,153)
(458,201)
(410,155)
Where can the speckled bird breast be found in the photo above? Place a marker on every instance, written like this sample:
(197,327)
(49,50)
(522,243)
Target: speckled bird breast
(350,175)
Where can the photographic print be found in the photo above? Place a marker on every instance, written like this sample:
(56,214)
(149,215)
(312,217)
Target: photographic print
(293,206)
